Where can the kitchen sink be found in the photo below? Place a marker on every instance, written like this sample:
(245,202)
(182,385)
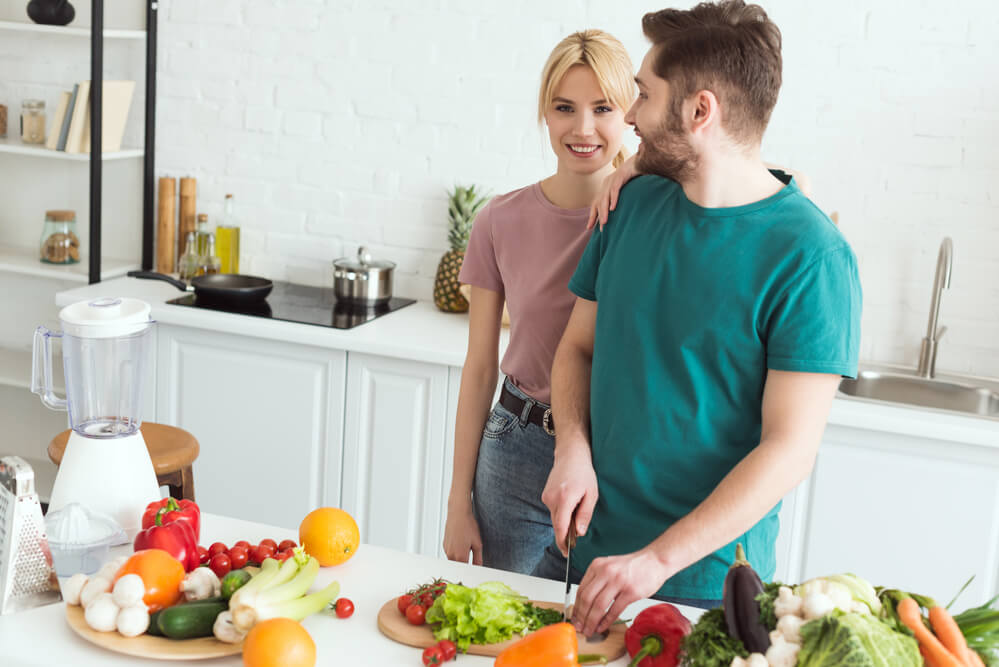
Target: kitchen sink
(968,395)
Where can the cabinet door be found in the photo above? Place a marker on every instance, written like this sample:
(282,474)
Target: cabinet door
(268,417)
(910,513)
(393,458)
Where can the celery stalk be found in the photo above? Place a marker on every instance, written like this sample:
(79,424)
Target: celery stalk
(260,604)
(293,589)
(268,570)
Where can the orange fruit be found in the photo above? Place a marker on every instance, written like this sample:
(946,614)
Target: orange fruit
(279,642)
(329,534)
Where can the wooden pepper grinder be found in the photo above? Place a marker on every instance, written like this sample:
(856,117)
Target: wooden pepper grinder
(166,226)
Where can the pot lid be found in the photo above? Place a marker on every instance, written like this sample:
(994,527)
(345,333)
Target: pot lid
(106,317)
(363,262)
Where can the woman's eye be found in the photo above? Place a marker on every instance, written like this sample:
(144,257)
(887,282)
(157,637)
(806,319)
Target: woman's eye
(604,109)
(563,108)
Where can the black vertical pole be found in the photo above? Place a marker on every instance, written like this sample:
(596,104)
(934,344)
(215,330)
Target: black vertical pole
(149,149)
(96,90)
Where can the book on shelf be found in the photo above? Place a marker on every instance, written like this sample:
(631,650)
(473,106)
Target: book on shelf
(67,117)
(116,98)
(52,139)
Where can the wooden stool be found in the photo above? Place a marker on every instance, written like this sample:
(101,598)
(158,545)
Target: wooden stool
(171,449)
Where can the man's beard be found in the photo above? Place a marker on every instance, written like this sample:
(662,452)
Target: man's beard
(668,152)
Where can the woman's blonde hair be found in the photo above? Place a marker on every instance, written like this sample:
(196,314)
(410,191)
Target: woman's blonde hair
(603,54)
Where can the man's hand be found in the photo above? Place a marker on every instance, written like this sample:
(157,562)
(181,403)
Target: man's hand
(571,490)
(606,200)
(611,584)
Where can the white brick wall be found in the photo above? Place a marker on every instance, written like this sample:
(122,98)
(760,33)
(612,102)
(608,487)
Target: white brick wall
(342,122)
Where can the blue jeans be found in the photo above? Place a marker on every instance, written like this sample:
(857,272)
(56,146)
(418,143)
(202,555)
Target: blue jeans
(552,566)
(515,458)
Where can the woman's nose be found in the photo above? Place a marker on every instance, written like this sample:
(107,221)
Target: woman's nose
(585,123)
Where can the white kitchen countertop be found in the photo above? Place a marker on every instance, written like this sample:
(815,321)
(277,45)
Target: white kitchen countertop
(420,332)
(42,637)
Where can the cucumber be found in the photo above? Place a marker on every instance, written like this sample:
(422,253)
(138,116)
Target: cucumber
(233,581)
(190,619)
(154,628)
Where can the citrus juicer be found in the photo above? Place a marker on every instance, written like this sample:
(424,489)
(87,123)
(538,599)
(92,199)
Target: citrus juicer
(105,348)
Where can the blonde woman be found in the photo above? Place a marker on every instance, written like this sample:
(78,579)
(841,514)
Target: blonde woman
(524,247)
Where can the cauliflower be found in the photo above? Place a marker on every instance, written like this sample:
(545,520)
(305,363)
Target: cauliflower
(787,603)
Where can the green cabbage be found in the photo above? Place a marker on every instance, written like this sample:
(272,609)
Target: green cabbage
(855,640)
(492,612)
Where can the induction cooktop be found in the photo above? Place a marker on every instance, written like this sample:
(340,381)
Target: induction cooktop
(305,304)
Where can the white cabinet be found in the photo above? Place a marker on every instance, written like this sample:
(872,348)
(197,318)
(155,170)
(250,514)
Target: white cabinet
(268,416)
(394,451)
(913,513)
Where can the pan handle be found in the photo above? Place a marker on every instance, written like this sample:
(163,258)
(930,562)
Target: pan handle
(152,275)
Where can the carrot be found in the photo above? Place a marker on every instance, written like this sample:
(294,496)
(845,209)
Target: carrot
(949,634)
(974,659)
(936,654)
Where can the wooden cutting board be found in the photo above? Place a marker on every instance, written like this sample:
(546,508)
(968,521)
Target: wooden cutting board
(148,646)
(395,626)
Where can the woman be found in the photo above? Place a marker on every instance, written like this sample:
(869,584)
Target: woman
(524,247)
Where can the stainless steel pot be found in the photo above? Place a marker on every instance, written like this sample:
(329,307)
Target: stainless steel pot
(363,281)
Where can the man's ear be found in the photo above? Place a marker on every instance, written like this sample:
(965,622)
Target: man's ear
(704,110)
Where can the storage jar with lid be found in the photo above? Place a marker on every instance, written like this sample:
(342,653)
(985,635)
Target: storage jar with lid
(60,244)
(33,121)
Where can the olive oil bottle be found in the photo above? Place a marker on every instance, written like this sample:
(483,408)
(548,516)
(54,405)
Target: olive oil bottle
(227,239)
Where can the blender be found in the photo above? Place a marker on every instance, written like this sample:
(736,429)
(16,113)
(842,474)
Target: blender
(105,349)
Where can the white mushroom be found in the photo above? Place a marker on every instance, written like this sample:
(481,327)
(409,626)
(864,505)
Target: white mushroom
(73,587)
(102,613)
(816,605)
(128,591)
(790,628)
(200,583)
(94,587)
(787,603)
(225,631)
(133,621)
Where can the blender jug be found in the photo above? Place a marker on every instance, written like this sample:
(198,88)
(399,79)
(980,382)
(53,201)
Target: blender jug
(106,345)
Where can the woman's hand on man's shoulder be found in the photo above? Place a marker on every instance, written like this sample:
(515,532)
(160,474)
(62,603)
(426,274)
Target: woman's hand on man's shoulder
(606,200)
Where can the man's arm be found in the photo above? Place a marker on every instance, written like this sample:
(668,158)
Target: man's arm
(572,482)
(794,413)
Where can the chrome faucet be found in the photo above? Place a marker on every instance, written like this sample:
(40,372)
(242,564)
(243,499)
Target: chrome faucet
(928,351)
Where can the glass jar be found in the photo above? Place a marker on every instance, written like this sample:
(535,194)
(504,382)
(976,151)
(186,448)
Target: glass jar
(3,121)
(60,244)
(187,265)
(33,122)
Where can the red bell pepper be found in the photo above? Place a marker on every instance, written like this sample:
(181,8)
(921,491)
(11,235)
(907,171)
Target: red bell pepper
(653,640)
(173,510)
(177,539)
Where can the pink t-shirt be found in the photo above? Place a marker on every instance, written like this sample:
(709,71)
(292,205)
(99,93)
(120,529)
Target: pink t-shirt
(526,248)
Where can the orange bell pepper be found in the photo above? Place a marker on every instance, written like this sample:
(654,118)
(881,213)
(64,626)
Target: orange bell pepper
(161,574)
(551,646)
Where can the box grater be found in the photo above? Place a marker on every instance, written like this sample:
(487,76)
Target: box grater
(27,578)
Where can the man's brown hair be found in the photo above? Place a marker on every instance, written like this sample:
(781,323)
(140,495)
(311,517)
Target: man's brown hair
(730,48)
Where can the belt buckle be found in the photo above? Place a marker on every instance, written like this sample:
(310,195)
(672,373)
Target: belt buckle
(546,420)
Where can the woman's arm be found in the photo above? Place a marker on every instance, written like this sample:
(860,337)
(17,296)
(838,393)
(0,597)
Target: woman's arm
(479,376)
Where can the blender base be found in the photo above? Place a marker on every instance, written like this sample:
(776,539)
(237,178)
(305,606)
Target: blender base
(114,476)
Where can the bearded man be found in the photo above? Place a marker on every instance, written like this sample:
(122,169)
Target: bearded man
(716,315)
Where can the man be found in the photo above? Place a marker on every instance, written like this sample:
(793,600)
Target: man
(694,397)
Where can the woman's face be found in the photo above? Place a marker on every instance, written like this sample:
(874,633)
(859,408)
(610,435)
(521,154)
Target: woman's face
(585,128)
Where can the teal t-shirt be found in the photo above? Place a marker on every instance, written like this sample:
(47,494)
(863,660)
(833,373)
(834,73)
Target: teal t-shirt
(695,305)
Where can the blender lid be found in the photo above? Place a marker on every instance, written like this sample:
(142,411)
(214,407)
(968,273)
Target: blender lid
(106,317)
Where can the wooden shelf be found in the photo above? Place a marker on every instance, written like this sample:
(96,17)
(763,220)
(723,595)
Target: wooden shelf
(12,144)
(15,369)
(25,261)
(24,26)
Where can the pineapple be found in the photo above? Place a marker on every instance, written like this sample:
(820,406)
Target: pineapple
(463,205)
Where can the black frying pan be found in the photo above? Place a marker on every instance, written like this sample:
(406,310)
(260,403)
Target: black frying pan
(223,288)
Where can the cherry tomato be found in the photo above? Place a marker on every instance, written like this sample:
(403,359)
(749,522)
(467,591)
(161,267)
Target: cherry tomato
(403,603)
(271,542)
(425,600)
(260,552)
(286,544)
(344,608)
(243,543)
(448,649)
(284,555)
(432,655)
(217,548)
(238,556)
(203,556)
(220,564)
(416,614)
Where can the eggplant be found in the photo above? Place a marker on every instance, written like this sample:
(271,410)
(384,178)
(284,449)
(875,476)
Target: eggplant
(742,611)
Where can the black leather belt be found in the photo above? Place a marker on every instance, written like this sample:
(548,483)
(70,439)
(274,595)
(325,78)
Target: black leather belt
(540,414)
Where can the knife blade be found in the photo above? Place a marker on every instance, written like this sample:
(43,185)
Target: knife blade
(569,544)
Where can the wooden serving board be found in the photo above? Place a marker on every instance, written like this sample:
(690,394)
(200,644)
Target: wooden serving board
(395,626)
(148,646)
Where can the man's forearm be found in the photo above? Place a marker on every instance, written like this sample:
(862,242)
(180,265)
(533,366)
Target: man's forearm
(743,497)
(571,394)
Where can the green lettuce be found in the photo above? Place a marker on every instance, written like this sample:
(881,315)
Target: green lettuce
(855,640)
(492,612)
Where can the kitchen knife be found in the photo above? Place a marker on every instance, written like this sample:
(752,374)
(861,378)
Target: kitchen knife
(569,544)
